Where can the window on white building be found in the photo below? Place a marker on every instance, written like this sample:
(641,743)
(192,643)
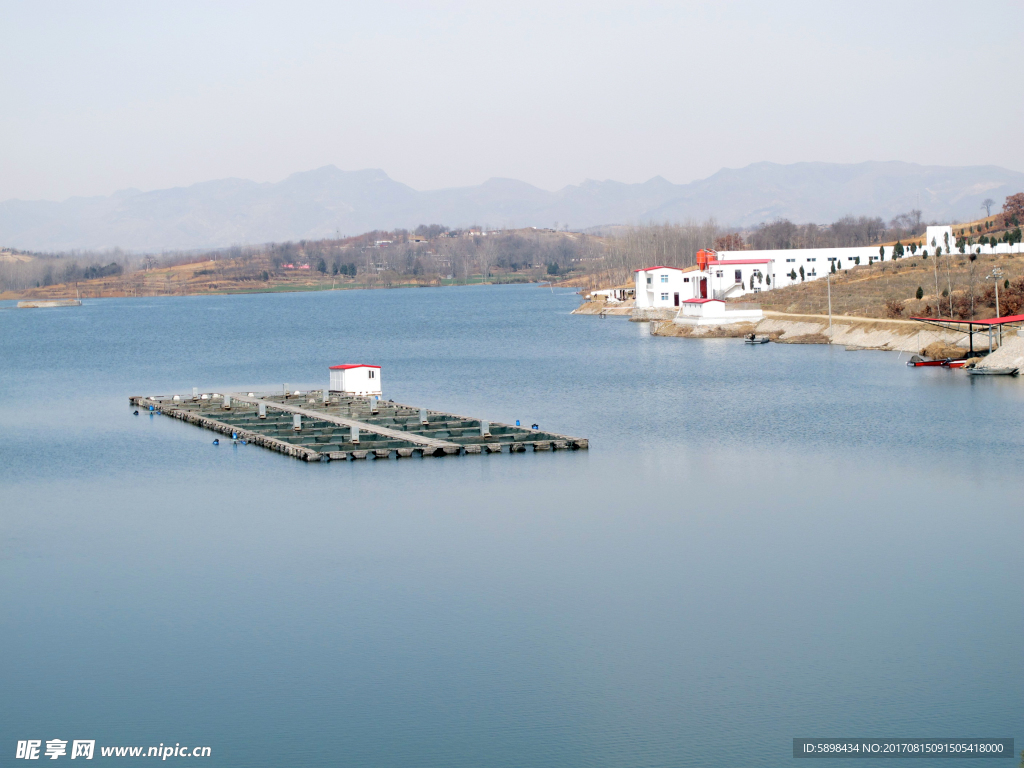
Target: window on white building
(812,259)
(664,297)
(664,278)
(686,279)
(718,273)
(650,279)
(788,261)
(739,275)
(373,374)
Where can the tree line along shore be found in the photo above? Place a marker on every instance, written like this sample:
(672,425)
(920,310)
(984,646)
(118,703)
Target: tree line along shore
(436,255)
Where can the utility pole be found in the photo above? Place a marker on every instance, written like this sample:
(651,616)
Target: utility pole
(997,273)
(828,280)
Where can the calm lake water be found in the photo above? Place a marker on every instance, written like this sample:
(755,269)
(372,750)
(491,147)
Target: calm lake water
(762,543)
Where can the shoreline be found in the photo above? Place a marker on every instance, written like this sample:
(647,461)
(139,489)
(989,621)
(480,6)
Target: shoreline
(59,295)
(849,331)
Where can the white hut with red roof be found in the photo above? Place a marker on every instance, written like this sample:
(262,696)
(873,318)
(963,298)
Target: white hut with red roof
(362,380)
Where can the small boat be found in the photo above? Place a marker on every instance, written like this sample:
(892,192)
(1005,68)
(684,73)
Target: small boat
(755,340)
(954,363)
(992,371)
(47,303)
(917,362)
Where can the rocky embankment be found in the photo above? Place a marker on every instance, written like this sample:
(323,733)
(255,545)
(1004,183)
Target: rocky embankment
(851,332)
(856,332)
(620,308)
(1010,355)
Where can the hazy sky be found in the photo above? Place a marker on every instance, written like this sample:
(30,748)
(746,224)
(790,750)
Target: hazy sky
(96,97)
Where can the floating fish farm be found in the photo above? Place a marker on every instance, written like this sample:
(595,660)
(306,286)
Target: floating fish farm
(323,425)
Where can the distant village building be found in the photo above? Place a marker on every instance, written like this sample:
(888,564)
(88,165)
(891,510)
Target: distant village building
(362,380)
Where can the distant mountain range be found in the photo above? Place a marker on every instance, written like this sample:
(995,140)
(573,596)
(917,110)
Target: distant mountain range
(326,201)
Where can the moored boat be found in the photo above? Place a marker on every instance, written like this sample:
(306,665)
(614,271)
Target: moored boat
(992,371)
(917,362)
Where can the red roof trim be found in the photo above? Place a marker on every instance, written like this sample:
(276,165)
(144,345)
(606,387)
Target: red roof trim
(990,321)
(651,269)
(701,301)
(726,262)
(346,367)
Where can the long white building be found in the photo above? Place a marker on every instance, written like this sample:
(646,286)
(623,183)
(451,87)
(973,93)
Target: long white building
(728,274)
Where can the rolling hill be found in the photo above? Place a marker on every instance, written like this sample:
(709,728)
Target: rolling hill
(326,201)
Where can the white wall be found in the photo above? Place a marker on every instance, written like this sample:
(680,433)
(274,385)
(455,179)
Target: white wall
(817,262)
(939,234)
(722,282)
(664,283)
(358,381)
(715,312)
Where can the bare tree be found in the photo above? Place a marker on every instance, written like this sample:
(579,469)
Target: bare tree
(670,245)
(987,204)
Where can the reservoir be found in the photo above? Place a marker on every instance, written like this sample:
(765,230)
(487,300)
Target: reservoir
(761,543)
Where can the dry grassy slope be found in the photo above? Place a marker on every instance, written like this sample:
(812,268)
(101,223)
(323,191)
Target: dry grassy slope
(13,256)
(186,279)
(863,291)
(994,227)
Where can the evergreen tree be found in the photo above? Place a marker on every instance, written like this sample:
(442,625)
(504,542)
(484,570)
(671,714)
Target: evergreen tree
(920,292)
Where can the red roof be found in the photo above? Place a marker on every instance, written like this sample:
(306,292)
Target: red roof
(346,367)
(727,262)
(649,269)
(990,321)
(700,301)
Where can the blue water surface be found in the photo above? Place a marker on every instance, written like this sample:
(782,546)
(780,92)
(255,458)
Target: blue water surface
(762,542)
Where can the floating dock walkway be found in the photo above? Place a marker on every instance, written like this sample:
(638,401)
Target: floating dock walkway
(321,426)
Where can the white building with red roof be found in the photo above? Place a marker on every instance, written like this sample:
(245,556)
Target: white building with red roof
(668,287)
(730,274)
(362,380)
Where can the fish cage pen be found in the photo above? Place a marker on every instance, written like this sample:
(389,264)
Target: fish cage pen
(321,425)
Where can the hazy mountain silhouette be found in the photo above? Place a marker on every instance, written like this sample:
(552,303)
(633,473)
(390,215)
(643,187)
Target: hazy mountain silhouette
(326,201)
